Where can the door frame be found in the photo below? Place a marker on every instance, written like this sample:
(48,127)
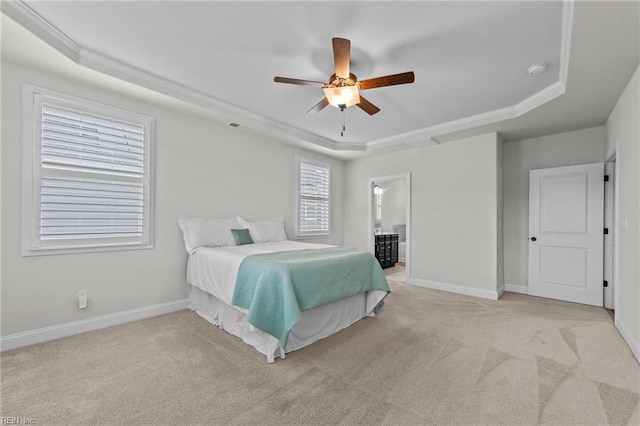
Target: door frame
(371,214)
(610,249)
(614,199)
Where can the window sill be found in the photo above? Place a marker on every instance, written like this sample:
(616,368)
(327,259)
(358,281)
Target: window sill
(48,251)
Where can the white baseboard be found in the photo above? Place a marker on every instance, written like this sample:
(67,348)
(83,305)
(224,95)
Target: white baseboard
(454,288)
(45,334)
(634,346)
(516,288)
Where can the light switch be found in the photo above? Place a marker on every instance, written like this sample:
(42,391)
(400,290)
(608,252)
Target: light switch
(624,223)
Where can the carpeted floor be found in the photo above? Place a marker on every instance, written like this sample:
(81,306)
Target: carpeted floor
(429,357)
(396,273)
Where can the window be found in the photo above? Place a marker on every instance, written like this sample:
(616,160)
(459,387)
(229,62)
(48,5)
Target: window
(87,176)
(313,190)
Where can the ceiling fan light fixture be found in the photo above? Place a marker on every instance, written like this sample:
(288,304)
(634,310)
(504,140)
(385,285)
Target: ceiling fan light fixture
(342,96)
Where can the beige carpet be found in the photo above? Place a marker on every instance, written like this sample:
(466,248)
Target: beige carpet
(396,273)
(429,358)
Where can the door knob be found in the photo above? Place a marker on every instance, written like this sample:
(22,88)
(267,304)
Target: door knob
(533,238)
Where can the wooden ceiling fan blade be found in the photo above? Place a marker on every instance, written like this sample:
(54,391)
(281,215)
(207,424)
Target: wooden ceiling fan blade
(342,56)
(298,81)
(387,80)
(367,106)
(319,106)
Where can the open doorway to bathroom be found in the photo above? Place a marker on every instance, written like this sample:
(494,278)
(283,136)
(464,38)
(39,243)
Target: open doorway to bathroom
(390,224)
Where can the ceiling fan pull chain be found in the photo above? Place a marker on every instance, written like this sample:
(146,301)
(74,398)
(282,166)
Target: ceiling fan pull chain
(344,127)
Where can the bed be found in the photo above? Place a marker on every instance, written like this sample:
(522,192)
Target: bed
(275,294)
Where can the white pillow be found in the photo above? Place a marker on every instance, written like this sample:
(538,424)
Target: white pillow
(266,230)
(201,232)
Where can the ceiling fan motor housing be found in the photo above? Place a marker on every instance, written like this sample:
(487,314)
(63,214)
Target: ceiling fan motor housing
(335,81)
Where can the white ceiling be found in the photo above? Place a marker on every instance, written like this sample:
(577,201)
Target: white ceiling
(470,60)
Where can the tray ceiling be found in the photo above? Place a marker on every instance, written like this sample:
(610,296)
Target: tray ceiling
(470,59)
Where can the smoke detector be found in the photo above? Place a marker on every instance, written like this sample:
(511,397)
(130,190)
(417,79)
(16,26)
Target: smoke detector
(538,68)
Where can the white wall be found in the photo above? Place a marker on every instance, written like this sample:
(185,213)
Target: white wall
(454,203)
(565,149)
(202,169)
(623,128)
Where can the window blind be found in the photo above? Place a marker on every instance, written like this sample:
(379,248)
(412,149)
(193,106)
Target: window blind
(314,199)
(84,142)
(73,208)
(92,183)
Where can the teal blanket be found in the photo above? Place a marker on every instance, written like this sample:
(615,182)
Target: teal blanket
(276,287)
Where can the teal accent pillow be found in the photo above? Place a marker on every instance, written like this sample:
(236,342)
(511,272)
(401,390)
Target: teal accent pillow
(242,236)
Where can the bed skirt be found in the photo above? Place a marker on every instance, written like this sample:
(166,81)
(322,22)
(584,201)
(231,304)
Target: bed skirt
(315,324)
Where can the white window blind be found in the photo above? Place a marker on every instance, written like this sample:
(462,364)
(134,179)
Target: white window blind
(91,174)
(313,198)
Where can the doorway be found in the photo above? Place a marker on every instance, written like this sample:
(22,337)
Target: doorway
(390,216)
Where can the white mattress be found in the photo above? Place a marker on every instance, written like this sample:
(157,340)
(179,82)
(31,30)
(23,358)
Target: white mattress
(215,269)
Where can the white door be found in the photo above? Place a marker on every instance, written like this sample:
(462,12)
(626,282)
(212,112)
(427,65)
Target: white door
(566,231)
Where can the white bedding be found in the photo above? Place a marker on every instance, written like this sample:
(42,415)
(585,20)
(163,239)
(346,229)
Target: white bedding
(215,269)
(212,274)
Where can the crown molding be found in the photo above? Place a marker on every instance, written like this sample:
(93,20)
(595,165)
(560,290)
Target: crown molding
(565,39)
(39,26)
(258,124)
(540,98)
(250,121)
(432,132)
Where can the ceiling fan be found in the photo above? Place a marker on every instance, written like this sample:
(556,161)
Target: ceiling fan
(343,88)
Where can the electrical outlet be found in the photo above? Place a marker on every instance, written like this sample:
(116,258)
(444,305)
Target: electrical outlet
(83,301)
